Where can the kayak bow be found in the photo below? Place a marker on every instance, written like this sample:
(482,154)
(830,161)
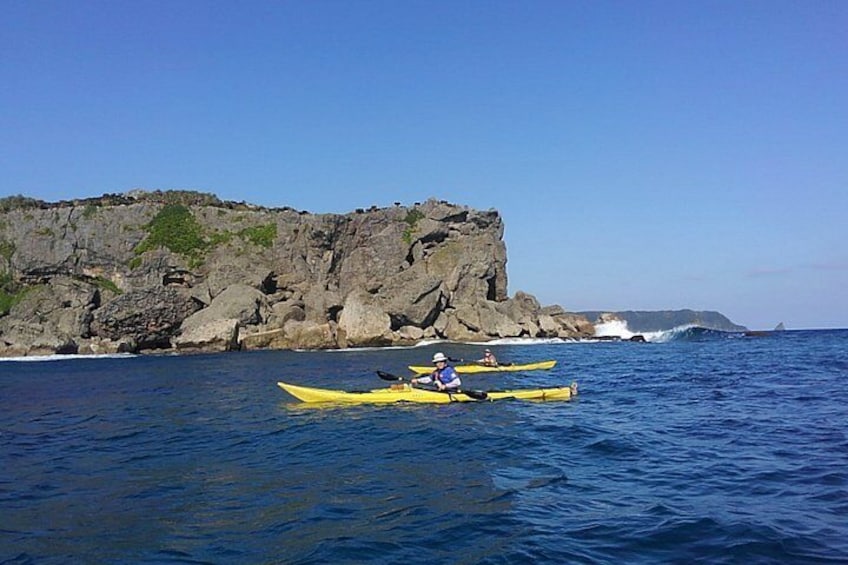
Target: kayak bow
(477,368)
(406,393)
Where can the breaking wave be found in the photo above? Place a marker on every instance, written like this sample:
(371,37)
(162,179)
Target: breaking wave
(689,332)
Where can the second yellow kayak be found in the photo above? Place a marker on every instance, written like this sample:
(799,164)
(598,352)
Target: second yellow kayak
(477,368)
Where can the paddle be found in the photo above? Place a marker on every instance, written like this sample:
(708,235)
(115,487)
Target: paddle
(475,394)
(500,364)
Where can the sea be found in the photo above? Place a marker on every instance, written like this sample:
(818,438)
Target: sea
(697,446)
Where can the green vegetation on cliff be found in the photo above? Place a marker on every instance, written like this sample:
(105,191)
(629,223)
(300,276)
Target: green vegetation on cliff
(7,249)
(17,202)
(411,219)
(184,197)
(176,229)
(262,236)
(106,284)
(8,300)
(10,294)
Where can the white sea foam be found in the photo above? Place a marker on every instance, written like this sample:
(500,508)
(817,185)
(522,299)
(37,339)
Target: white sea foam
(448,342)
(422,343)
(519,341)
(61,357)
(619,328)
(615,328)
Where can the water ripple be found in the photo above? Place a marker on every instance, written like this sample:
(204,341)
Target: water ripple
(729,451)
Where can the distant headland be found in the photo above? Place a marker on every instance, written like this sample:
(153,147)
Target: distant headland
(644,321)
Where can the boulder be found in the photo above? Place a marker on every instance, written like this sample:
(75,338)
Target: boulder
(245,304)
(548,327)
(305,335)
(363,323)
(497,324)
(213,335)
(282,312)
(457,331)
(50,318)
(410,334)
(150,317)
(415,299)
(216,328)
(98,346)
(22,338)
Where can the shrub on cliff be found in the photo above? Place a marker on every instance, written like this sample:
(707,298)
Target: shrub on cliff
(176,229)
(18,202)
(10,293)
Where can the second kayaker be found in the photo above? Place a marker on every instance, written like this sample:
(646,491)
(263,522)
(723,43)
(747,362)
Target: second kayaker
(489,359)
(445,376)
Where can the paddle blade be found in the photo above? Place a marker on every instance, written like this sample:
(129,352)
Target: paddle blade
(388,376)
(476,394)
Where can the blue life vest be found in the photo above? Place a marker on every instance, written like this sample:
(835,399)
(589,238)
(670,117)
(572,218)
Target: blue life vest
(447,376)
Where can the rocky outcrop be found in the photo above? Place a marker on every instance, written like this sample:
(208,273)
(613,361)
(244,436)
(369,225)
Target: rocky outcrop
(216,327)
(184,271)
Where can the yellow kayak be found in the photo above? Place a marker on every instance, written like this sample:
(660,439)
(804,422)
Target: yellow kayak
(477,368)
(405,393)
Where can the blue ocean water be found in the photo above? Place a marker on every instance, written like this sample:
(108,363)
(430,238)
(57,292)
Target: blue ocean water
(710,447)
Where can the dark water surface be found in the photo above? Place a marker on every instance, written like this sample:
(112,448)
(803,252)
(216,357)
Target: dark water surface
(718,450)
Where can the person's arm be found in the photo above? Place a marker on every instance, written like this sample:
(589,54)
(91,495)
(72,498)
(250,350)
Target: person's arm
(425,380)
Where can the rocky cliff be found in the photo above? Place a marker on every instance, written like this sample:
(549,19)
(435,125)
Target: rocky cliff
(185,271)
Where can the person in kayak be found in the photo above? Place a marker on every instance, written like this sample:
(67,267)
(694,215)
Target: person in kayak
(445,376)
(488,359)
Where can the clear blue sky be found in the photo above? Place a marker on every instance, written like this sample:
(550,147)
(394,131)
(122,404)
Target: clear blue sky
(644,155)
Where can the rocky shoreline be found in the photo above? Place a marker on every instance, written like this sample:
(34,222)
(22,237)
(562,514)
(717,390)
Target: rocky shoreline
(182,271)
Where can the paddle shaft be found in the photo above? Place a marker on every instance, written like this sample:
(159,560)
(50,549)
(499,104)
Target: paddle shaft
(475,394)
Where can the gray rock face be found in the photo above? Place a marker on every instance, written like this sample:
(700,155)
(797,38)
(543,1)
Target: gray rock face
(363,322)
(150,316)
(186,271)
(216,335)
